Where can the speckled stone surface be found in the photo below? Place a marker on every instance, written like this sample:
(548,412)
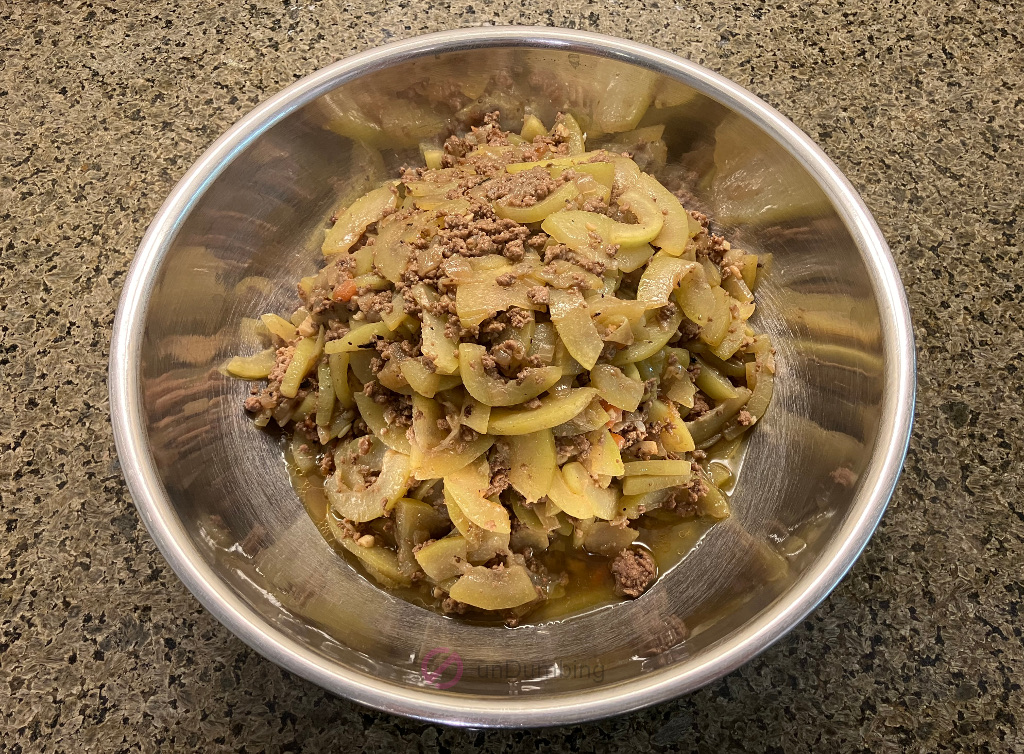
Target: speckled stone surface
(104,105)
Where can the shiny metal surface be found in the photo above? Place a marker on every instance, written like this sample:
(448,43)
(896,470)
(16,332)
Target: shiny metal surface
(246,222)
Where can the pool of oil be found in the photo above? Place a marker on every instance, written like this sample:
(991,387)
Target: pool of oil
(589,584)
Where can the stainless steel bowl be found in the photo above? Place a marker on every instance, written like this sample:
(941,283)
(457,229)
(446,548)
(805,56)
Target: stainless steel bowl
(245,223)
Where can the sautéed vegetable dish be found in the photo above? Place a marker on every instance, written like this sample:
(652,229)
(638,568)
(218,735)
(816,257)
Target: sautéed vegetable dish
(522,368)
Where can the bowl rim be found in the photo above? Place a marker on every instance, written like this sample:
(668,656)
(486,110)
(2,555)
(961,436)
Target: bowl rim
(149,495)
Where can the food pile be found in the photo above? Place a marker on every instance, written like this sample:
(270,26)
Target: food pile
(521,347)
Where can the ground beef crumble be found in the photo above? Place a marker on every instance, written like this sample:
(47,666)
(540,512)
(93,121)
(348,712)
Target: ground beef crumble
(684,500)
(478,232)
(538,294)
(570,448)
(518,318)
(284,358)
(500,461)
(701,405)
(688,329)
(523,189)
(374,304)
(508,352)
(633,570)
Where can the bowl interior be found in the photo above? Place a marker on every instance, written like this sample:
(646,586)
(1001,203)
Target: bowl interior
(256,227)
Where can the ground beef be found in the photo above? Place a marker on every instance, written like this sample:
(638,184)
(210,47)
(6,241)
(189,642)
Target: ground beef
(558,251)
(632,433)
(650,389)
(684,500)
(633,570)
(576,280)
(409,174)
(701,218)
(522,189)
(448,605)
(745,418)
(269,397)
(365,445)
(681,504)
(568,448)
(505,280)
(398,411)
(538,294)
(284,358)
(507,352)
(409,301)
(490,132)
(688,329)
(514,251)
(396,349)
(609,350)
(518,318)
(456,148)
(710,246)
(596,205)
(500,460)
(538,241)
(535,361)
(327,461)
(374,304)
(489,363)
(667,312)
(494,326)
(445,305)
(456,331)
(701,405)
(380,394)
(478,232)
(336,329)
(307,427)
(500,455)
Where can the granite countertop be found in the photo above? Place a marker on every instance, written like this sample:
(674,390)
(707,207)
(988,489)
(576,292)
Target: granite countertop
(104,105)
